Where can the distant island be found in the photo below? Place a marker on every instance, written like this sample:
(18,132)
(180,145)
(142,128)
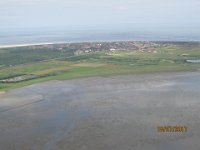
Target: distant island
(27,64)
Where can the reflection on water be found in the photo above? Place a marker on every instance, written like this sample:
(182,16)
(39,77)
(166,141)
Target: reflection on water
(193,61)
(120,112)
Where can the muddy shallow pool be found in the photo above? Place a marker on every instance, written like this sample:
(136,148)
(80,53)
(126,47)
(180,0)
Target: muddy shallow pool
(103,113)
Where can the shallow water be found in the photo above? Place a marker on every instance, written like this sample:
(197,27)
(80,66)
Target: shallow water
(193,61)
(103,113)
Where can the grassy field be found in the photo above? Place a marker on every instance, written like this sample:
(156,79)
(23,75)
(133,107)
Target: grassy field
(51,64)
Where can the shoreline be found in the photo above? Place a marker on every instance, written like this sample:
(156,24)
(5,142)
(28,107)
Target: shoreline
(52,43)
(164,74)
(33,44)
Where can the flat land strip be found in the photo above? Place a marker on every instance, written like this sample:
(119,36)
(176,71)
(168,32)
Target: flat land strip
(23,66)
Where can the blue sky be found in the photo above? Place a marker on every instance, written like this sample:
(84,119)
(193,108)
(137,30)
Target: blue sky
(108,14)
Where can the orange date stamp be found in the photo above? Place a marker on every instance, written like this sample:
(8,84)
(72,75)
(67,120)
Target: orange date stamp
(169,129)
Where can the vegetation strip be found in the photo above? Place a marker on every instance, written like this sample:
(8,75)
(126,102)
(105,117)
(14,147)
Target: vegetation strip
(23,66)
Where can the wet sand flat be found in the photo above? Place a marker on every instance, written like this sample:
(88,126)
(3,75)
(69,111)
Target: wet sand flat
(103,113)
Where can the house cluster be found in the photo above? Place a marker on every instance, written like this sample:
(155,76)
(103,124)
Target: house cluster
(88,47)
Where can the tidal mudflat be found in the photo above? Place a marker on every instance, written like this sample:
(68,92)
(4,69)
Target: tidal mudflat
(103,113)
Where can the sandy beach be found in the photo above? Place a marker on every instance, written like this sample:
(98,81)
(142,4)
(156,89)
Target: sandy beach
(31,44)
(103,113)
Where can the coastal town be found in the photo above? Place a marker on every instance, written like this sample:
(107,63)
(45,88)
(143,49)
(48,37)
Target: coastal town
(88,47)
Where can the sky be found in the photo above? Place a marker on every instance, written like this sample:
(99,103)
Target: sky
(150,15)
